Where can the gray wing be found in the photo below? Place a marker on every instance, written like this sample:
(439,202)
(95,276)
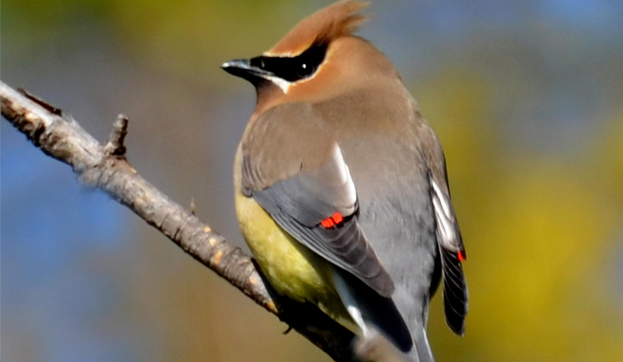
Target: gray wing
(452,255)
(318,207)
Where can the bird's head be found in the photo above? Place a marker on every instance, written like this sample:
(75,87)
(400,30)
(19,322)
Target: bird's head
(318,59)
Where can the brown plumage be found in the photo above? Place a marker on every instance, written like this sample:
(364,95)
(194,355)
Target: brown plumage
(341,188)
(324,26)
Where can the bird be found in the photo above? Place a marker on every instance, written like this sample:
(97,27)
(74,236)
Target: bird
(341,188)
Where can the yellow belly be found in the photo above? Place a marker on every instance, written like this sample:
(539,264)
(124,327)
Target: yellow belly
(292,269)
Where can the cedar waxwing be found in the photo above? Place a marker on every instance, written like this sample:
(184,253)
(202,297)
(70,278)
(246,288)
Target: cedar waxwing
(341,189)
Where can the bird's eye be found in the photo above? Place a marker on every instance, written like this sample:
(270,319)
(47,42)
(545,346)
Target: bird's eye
(305,70)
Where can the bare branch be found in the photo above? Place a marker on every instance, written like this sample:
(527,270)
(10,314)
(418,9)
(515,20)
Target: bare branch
(115,145)
(106,168)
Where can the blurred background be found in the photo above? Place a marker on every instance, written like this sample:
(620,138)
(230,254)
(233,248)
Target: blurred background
(525,96)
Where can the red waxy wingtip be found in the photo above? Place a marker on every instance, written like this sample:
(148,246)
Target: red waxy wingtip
(332,220)
(327,223)
(461,256)
(337,217)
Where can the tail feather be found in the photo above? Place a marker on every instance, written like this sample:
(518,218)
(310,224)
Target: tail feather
(370,310)
(424,352)
(385,335)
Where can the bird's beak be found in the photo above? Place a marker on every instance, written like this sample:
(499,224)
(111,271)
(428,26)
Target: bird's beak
(245,68)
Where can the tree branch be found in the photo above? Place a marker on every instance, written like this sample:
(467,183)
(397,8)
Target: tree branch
(106,168)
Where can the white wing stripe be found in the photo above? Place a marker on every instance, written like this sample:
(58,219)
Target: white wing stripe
(445,220)
(345,174)
(443,200)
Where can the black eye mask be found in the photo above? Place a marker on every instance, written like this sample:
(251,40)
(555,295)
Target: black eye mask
(293,68)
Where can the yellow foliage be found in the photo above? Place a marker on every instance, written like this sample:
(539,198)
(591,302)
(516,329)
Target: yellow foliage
(539,230)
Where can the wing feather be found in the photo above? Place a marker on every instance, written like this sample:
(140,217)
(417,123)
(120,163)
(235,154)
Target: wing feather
(450,247)
(300,203)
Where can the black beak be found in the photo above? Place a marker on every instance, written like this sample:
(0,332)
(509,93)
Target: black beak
(245,68)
